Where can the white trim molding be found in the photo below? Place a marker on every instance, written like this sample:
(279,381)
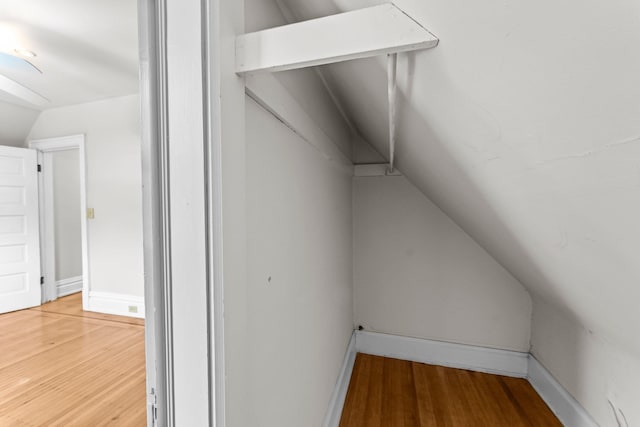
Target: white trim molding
(334,413)
(45,148)
(60,143)
(473,358)
(374,169)
(68,286)
(564,406)
(118,304)
(461,356)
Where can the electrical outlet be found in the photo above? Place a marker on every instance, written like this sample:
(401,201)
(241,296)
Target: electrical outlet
(133,309)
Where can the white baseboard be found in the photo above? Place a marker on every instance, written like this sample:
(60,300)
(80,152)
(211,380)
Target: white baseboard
(118,304)
(567,409)
(68,286)
(332,419)
(481,359)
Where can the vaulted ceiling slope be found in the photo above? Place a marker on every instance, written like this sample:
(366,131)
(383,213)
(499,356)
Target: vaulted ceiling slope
(86,50)
(15,123)
(524,126)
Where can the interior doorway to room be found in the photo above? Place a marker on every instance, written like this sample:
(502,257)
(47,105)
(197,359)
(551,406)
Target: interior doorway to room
(88,357)
(63,217)
(73,327)
(83,348)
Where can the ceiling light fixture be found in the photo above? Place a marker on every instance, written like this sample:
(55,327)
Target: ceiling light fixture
(25,52)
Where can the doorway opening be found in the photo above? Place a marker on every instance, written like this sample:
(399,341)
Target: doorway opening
(71,196)
(64,257)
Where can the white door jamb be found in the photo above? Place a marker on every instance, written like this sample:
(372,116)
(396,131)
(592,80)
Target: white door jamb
(45,148)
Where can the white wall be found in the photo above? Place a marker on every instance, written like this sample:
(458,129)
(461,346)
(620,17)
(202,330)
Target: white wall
(299,274)
(284,339)
(304,85)
(114,190)
(416,273)
(527,136)
(593,370)
(15,122)
(66,214)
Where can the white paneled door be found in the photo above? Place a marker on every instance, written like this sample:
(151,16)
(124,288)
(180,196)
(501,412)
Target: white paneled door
(19,238)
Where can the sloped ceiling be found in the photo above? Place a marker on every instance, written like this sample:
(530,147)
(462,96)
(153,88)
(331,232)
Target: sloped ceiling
(86,50)
(524,126)
(15,123)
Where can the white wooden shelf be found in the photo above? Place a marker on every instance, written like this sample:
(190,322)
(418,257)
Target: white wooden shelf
(361,33)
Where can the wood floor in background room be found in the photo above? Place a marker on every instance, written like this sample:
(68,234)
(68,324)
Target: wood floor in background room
(60,366)
(390,392)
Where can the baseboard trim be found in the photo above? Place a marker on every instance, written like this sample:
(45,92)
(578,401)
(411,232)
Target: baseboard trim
(481,359)
(68,286)
(564,406)
(118,304)
(332,419)
(473,358)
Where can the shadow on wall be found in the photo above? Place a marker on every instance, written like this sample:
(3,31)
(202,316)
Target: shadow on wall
(514,209)
(601,376)
(444,181)
(451,149)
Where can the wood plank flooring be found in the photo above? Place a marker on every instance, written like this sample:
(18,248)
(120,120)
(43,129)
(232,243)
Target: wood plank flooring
(61,366)
(397,393)
(72,306)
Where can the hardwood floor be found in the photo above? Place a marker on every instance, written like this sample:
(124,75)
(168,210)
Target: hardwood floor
(72,306)
(60,366)
(397,393)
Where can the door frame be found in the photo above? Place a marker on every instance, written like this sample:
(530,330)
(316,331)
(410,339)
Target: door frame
(187,86)
(45,148)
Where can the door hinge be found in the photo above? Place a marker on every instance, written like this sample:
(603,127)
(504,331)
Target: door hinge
(154,414)
(42,280)
(154,407)
(39,168)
